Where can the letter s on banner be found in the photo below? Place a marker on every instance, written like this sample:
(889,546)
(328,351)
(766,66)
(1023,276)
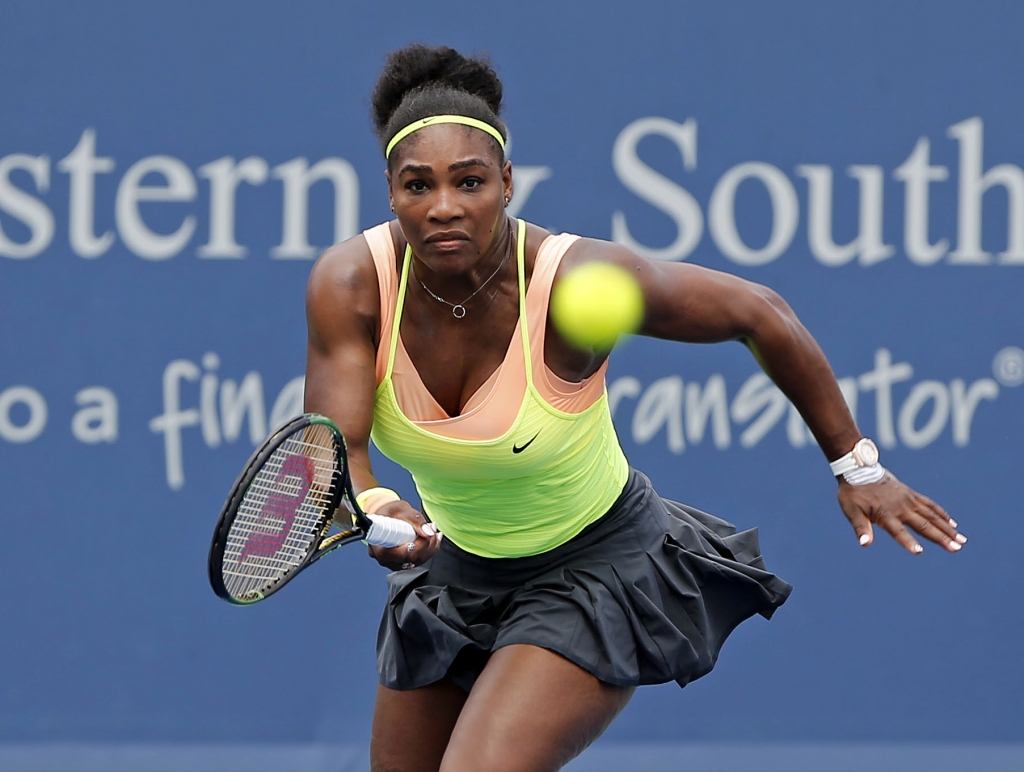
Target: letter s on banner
(19,204)
(663,193)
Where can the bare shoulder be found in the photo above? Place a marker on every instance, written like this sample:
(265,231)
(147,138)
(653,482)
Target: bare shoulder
(346,266)
(343,288)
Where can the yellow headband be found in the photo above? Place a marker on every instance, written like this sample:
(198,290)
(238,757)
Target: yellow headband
(435,119)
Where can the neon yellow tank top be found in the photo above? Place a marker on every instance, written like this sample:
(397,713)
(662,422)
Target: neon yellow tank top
(524,492)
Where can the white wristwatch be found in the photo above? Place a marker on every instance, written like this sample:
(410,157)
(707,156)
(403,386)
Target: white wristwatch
(862,462)
(864,454)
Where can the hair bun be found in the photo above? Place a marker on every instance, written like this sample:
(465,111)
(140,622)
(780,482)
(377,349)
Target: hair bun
(418,67)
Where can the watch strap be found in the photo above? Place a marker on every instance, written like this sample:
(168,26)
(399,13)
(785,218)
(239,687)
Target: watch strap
(844,464)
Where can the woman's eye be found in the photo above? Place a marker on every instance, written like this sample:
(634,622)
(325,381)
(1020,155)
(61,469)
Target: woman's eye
(416,186)
(472,182)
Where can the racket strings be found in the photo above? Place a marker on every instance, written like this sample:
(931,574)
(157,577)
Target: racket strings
(283,513)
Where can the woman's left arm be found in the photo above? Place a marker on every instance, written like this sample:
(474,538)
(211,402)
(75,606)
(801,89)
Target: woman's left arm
(689,303)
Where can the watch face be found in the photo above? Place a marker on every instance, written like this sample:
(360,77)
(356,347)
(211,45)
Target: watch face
(866,452)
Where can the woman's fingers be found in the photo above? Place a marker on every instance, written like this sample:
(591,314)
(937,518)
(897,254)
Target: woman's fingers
(934,524)
(427,542)
(894,525)
(929,522)
(861,526)
(423,548)
(901,512)
(411,553)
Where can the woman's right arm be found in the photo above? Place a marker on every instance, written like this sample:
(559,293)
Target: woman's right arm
(343,319)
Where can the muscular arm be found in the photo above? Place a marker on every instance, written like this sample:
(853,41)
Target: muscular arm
(688,303)
(691,304)
(343,316)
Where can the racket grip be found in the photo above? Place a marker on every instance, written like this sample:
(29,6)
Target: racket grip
(389,531)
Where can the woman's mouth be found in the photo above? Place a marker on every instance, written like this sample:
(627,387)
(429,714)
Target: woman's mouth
(447,240)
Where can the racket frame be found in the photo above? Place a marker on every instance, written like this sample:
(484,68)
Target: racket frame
(342,502)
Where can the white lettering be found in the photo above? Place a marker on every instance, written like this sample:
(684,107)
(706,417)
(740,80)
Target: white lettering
(297,179)
(758,393)
(661,405)
(20,205)
(238,401)
(82,165)
(935,391)
(661,192)
(37,413)
(965,402)
(922,416)
(208,400)
(973,185)
(702,403)
(97,419)
(180,186)
(627,386)
(173,419)
(722,213)
(224,175)
(31,226)
(917,173)
(868,243)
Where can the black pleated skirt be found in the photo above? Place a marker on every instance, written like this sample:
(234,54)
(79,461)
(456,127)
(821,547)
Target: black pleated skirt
(645,595)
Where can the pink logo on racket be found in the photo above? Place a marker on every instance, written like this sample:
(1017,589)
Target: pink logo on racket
(280,506)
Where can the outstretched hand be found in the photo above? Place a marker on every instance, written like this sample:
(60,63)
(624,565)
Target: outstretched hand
(899,510)
(428,539)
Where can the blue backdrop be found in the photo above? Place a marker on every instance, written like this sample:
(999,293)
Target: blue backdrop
(169,172)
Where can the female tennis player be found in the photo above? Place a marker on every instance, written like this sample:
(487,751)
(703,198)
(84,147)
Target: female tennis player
(562,580)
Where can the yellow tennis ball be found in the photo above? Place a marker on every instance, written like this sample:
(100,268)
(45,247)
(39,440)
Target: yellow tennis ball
(595,303)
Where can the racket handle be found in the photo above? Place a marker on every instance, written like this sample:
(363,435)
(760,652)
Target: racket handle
(389,531)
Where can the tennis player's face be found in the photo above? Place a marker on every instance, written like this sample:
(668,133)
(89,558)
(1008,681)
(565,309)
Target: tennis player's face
(448,186)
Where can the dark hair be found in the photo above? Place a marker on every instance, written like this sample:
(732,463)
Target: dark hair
(418,82)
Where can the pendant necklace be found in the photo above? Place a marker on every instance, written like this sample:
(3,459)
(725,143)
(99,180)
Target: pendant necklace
(459,309)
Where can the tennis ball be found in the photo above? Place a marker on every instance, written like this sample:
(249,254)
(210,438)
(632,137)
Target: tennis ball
(595,303)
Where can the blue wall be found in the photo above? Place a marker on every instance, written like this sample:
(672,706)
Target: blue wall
(864,159)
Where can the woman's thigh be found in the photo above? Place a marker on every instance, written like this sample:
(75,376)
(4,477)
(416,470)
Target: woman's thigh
(531,710)
(411,728)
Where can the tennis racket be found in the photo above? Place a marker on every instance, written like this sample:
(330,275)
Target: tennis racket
(282,511)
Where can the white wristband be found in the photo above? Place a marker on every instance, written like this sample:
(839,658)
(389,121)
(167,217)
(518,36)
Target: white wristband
(865,475)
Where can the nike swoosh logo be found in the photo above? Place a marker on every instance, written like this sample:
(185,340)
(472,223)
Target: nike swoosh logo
(521,448)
